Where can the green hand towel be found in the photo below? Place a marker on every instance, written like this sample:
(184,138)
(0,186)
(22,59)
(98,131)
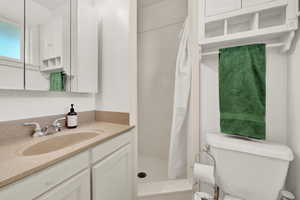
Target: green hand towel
(242,85)
(57,81)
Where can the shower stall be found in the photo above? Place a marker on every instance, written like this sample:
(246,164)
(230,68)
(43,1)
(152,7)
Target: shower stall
(160,23)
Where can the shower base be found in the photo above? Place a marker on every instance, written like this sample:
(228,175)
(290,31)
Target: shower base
(156,186)
(155,168)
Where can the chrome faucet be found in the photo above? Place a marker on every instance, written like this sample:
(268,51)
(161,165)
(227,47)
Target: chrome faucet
(57,125)
(40,132)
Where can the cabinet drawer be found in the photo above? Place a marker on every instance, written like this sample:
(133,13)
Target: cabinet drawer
(107,148)
(37,184)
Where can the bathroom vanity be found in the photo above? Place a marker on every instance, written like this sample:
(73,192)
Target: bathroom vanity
(53,46)
(97,161)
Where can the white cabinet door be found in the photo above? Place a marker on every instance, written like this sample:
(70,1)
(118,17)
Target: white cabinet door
(77,188)
(85,43)
(215,7)
(112,177)
(248,3)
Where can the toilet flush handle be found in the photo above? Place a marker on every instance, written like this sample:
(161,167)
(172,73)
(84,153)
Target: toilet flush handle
(286,195)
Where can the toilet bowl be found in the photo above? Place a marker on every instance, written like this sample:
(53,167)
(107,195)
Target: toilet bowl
(246,168)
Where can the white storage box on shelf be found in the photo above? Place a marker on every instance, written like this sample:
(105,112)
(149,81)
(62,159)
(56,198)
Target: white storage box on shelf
(239,22)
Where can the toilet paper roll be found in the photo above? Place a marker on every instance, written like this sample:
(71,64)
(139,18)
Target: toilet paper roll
(202,196)
(204,173)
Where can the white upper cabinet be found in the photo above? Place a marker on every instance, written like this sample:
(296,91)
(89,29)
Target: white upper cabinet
(225,23)
(214,7)
(57,41)
(84,47)
(47,45)
(248,3)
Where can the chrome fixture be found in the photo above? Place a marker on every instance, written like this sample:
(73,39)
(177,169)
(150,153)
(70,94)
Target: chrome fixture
(57,125)
(38,131)
(216,188)
(286,195)
(206,150)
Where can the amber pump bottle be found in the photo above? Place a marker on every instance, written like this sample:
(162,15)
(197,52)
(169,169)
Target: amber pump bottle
(72,118)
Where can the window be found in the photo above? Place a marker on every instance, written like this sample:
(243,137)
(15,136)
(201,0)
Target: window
(10,40)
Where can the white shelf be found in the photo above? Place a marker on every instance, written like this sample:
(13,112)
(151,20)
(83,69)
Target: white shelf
(276,20)
(49,70)
(53,69)
(249,36)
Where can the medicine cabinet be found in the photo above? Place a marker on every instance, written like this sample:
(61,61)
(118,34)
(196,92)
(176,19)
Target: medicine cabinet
(49,45)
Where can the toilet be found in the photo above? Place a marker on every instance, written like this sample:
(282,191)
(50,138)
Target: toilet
(249,170)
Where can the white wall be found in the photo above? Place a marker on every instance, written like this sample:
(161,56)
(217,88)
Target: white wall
(159,26)
(276,116)
(24,104)
(114,83)
(294,116)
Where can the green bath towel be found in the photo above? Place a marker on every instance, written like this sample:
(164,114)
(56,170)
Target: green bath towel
(57,81)
(242,85)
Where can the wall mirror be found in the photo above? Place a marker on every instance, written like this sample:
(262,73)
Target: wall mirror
(47,45)
(11,44)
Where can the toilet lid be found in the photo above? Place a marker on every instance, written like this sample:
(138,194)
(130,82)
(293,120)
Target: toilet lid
(259,148)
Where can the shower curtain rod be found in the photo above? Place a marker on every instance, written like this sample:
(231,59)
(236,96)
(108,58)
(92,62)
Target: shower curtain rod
(268,46)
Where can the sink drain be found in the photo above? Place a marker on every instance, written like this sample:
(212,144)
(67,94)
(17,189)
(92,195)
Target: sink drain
(142,175)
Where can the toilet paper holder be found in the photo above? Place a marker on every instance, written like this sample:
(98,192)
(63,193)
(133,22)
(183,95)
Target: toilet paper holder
(206,150)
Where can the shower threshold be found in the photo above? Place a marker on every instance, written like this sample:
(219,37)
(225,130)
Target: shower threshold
(161,188)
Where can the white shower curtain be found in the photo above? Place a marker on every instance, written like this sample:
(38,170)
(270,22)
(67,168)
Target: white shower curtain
(178,144)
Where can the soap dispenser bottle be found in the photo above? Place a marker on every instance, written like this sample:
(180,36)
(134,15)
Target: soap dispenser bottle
(72,118)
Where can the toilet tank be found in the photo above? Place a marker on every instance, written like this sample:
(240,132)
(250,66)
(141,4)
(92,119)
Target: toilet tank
(251,170)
